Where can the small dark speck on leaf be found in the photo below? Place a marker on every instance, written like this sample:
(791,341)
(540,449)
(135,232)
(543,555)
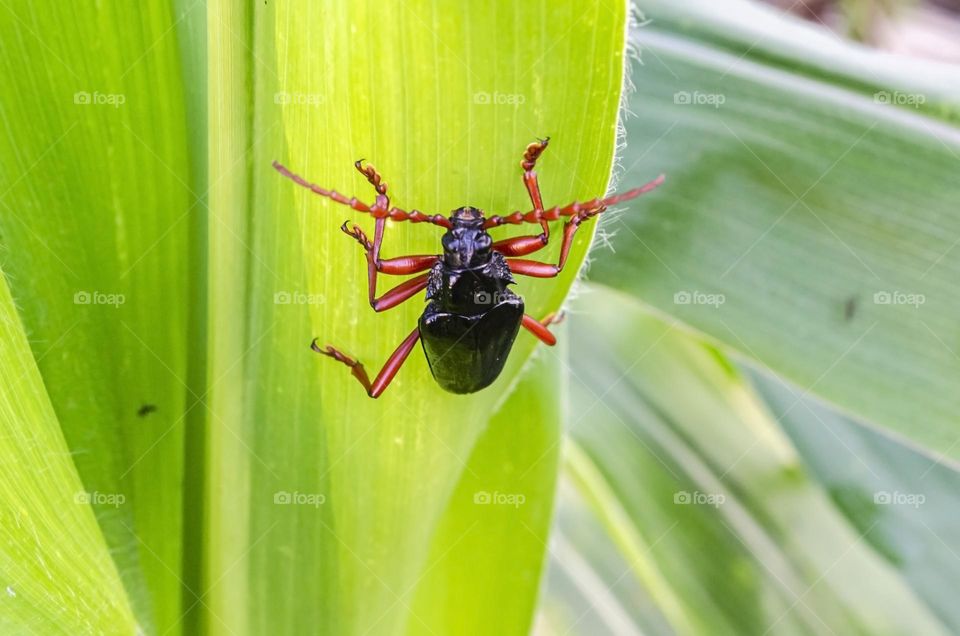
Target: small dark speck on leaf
(146,409)
(850,308)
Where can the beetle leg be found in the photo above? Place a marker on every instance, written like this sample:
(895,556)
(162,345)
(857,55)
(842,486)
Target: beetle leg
(395,266)
(372,176)
(382,204)
(382,208)
(539,328)
(529,162)
(402,265)
(521,245)
(402,292)
(387,373)
(538,269)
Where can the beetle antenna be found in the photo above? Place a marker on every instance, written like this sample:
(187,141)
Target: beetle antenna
(587,208)
(353,202)
(394,214)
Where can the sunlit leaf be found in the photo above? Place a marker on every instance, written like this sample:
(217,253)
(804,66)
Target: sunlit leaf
(97,198)
(56,574)
(442,98)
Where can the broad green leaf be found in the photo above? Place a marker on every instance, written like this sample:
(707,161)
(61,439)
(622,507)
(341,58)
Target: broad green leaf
(903,502)
(442,98)
(56,573)
(494,533)
(710,507)
(804,223)
(96,201)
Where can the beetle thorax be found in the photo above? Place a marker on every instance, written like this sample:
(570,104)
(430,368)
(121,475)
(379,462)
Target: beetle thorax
(466,245)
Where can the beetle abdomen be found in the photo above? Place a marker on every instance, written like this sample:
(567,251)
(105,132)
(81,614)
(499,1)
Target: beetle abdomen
(466,353)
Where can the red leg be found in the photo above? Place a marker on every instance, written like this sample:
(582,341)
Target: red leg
(529,162)
(396,266)
(535,269)
(387,373)
(402,292)
(373,251)
(523,245)
(539,327)
(546,270)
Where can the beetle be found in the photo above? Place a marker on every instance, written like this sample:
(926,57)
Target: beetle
(472,317)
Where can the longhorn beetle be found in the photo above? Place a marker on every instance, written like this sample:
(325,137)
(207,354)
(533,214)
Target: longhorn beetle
(472,318)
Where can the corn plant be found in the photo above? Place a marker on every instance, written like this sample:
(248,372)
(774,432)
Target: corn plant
(748,425)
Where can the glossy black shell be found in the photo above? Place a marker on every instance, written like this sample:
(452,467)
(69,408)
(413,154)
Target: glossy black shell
(470,324)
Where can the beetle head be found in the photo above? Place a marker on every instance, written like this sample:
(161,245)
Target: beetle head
(466,244)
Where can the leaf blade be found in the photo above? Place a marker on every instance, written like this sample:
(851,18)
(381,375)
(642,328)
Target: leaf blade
(46,513)
(711,509)
(805,225)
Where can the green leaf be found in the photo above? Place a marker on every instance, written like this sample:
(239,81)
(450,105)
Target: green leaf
(493,536)
(804,223)
(443,99)
(96,201)
(56,573)
(900,499)
(718,526)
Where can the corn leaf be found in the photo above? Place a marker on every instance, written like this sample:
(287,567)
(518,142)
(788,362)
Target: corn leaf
(56,573)
(717,525)
(97,198)
(900,499)
(442,98)
(810,217)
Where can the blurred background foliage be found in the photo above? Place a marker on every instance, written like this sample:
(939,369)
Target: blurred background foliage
(734,501)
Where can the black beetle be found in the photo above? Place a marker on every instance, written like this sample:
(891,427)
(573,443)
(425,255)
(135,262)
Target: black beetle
(472,319)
